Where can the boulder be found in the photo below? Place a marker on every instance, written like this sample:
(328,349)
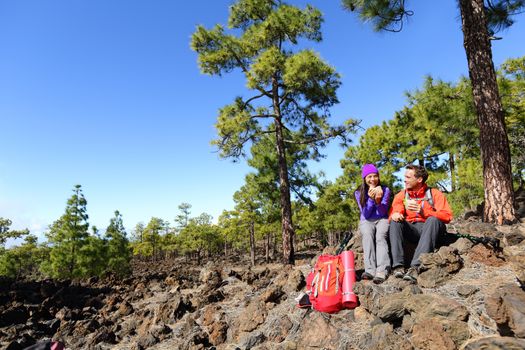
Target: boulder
(462,245)
(428,334)
(393,309)
(437,267)
(250,340)
(422,306)
(172,309)
(16,314)
(457,330)
(371,296)
(252,316)
(481,254)
(506,306)
(517,262)
(383,337)
(318,333)
(124,309)
(272,294)
(278,329)
(496,343)
(466,290)
(511,234)
(101,335)
(217,332)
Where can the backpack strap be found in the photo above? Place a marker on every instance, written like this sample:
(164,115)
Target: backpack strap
(428,195)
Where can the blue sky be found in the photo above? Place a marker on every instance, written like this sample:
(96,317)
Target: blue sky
(108,94)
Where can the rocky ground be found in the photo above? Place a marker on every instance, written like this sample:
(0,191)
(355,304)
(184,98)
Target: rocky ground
(467,297)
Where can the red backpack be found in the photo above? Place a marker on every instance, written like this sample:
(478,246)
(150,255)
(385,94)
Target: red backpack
(327,280)
(325,284)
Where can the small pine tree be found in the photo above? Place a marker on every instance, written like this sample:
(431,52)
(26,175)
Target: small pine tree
(67,236)
(118,250)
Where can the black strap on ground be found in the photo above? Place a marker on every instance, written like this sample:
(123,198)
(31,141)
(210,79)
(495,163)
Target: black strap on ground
(492,242)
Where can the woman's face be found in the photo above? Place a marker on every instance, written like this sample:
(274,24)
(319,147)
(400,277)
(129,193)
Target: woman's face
(372,179)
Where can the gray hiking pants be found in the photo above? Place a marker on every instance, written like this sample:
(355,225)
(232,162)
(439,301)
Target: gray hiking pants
(375,245)
(424,234)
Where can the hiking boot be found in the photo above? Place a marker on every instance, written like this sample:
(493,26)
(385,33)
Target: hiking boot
(366,276)
(380,277)
(399,272)
(411,274)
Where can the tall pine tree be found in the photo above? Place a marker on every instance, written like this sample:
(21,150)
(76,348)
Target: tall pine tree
(68,235)
(292,91)
(118,250)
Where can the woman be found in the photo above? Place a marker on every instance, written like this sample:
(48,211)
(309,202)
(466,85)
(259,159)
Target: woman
(373,199)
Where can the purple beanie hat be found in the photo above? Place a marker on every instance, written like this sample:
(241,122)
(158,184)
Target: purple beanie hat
(369,169)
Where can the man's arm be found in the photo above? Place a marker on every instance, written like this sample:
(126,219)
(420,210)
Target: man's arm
(398,208)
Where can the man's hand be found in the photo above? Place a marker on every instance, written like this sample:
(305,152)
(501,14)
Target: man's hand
(413,205)
(398,217)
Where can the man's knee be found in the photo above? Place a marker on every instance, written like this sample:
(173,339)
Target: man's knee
(396,226)
(433,225)
(395,231)
(433,221)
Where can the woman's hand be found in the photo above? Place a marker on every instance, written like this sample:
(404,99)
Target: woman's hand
(376,193)
(379,192)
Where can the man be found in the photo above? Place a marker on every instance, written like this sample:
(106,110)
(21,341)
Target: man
(418,215)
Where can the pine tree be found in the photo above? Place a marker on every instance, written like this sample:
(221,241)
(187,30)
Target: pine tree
(23,260)
(6,232)
(138,233)
(118,250)
(183,218)
(68,235)
(512,87)
(292,91)
(150,245)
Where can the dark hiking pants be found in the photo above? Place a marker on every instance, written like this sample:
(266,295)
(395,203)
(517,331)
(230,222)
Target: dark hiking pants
(424,234)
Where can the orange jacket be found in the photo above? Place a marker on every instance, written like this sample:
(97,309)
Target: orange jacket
(440,210)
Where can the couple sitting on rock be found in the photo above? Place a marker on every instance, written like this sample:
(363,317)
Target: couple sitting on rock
(418,215)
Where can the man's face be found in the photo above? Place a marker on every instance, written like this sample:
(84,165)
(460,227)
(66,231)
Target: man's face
(411,181)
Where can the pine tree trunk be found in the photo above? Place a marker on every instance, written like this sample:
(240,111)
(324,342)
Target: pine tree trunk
(284,184)
(452,166)
(71,267)
(267,250)
(274,245)
(495,151)
(252,243)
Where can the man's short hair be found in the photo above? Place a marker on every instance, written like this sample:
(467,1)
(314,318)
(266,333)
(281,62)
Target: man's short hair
(419,171)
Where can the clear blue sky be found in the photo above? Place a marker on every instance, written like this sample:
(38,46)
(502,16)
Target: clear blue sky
(107,94)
